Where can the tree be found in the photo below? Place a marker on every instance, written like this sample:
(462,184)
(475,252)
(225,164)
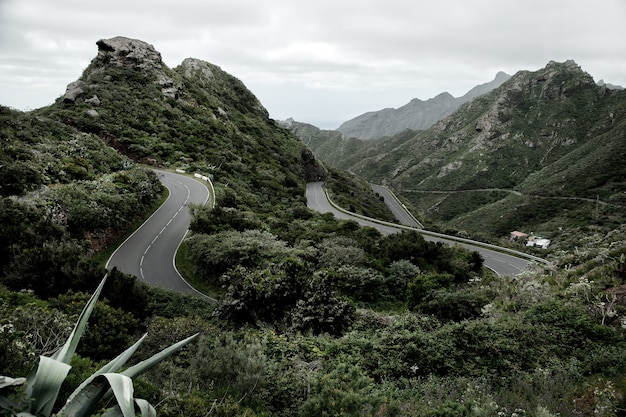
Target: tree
(213,255)
(359,283)
(340,251)
(400,274)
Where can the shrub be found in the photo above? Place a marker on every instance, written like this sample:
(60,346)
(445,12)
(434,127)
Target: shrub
(37,394)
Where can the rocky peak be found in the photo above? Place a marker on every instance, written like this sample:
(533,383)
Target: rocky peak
(123,51)
(192,67)
(602,83)
(126,52)
(560,70)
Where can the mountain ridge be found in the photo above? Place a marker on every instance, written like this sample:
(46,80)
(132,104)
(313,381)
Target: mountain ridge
(415,115)
(553,132)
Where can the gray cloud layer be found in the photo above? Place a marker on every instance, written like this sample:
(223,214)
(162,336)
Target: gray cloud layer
(322,62)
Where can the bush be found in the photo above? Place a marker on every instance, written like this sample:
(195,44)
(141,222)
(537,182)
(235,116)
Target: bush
(453,305)
(422,285)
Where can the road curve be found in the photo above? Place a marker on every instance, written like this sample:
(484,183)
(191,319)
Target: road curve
(396,207)
(500,263)
(150,252)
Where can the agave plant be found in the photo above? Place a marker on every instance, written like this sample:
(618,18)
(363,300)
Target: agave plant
(40,389)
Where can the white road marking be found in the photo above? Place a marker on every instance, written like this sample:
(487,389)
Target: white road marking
(164,227)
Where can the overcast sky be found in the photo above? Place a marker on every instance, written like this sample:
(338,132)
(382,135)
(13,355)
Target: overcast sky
(323,61)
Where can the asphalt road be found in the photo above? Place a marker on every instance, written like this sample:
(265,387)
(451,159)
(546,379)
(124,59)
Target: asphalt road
(500,263)
(150,252)
(398,210)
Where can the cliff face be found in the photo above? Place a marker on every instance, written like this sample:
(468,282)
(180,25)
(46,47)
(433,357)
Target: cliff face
(415,115)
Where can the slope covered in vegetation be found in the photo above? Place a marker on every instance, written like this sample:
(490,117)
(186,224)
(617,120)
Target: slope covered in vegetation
(315,316)
(552,134)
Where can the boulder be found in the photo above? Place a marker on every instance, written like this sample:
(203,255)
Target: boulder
(125,51)
(74,90)
(95,101)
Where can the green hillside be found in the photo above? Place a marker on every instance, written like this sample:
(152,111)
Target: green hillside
(314,316)
(551,134)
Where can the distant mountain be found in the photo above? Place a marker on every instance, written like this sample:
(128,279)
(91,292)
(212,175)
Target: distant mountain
(601,83)
(415,115)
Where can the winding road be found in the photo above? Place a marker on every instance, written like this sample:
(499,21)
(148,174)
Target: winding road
(149,253)
(511,263)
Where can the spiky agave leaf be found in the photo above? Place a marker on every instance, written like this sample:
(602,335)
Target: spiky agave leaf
(144,407)
(122,387)
(37,382)
(67,351)
(83,401)
(112,366)
(147,364)
(6,381)
(46,385)
(147,410)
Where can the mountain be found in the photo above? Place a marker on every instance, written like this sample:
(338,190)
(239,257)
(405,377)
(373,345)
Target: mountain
(415,115)
(601,83)
(552,133)
(434,334)
(70,182)
(195,117)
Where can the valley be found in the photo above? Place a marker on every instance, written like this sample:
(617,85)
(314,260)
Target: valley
(543,137)
(316,311)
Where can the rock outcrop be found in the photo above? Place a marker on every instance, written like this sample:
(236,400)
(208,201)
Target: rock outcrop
(131,53)
(73,90)
(192,67)
(123,51)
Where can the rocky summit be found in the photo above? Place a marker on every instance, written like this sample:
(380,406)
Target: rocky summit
(126,52)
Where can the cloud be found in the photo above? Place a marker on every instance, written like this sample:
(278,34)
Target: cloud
(323,60)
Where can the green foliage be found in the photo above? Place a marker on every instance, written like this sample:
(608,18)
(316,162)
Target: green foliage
(343,391)
(110,327)
(215,254)
(29,330)
(42,387)
(420,287)
(286,295)
(227,364)
(125,292)
(65,266)
(453,305)
(217,219)
(363,284)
